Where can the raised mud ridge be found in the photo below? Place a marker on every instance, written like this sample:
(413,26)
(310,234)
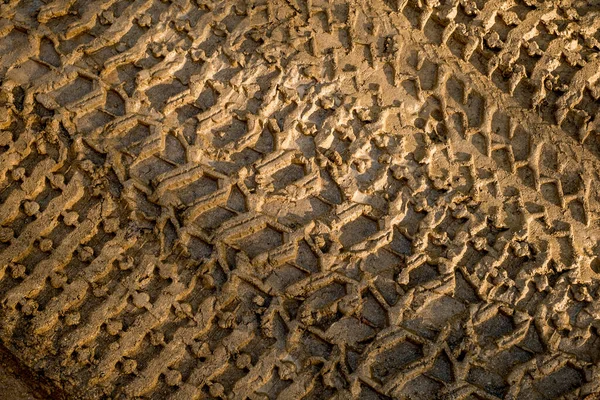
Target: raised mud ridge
(302,198)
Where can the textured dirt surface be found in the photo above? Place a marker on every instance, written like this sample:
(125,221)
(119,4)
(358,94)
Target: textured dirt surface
(13,387)
(301,199)
(18,382)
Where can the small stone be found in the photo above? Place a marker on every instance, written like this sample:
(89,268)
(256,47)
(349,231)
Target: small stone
(479,243)
(42,147)
(140,299)
(385,159)
(500,278)
(327,103)
(87,166)
(157,338)
(31,208)
(259,300)
(198,54)
(208,281)
(243,361)
(129,366)
(336,158)
(321,161)
(100,291)
(46,245)
(361,166)
(312,71)
(308,129)
(166,271)
(159,49)
(107,17)
(581,294)
(17,271)
(58,180)
(58,280)
(363,114)
(70,218)
(72,318)
(114,327)
(320,242)
(86,253)
(184,310)
(216,390)
(111,225)
(562,321)
(172,377)
(521,249)
(226,320)
(29,307)
(201,350)
(83,355)
(145,20)
(182,25)
(287,370)
(126,263)
(18,174)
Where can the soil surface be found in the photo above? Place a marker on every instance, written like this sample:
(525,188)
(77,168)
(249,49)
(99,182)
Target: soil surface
(18,382)
(13,388)
(316,199)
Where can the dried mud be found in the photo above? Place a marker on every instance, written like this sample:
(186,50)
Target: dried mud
(311,199)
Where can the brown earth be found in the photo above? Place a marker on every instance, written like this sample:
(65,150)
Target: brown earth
(18,382)
(13,387)
(290,199)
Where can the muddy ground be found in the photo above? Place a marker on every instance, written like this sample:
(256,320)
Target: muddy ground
(370,199)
